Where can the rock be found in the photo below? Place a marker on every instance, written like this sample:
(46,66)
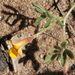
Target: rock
(3,63)
(16,65)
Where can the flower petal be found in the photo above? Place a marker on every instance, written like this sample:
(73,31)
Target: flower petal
(13,53)
(19,44)
(20,52)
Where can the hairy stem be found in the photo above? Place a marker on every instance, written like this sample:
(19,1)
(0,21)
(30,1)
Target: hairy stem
(65,18)
(44,30)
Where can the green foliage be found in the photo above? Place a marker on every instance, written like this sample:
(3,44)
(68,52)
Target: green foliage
(57,47)
(56,54)
(63,44)
(69,53)
(63,57)
(58,57)
(50,59)
(49,15)
(60,22)
(48,23)
(45,14)
(39,19)
(38,6)
(39,11)
(60,52)
(52,51)
(47,60)
(42,11)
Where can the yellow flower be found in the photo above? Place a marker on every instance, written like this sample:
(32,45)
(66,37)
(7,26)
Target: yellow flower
(16,47)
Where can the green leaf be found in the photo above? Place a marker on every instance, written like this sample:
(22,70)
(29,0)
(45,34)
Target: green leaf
(48,22)
(38,20)
(60,22)
(38,6)
(64,58)
(50,59)
(58,57)
(69,53)
(39,11)
(47,60)
(52,51)
(63,44)
(57,47)
(49,15)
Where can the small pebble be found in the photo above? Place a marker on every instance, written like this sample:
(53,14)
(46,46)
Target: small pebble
(1,17)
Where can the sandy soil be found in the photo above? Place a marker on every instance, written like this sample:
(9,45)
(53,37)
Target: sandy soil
(17,18)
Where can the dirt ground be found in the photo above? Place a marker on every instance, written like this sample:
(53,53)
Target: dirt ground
(17,18)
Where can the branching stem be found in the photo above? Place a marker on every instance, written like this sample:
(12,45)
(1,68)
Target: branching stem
(64,21)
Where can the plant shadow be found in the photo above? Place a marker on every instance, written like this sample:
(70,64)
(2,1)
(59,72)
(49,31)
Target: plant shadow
(24,22)
(55,4)
(19,17)
(72,68)
(47,72)
(31,48)
(73,14)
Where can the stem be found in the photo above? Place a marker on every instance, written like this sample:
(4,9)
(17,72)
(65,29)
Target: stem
(64,34)
(43,30)
(65,18)
(53,16)
(56,16)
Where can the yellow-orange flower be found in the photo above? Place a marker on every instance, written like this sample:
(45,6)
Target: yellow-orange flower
(16,47)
